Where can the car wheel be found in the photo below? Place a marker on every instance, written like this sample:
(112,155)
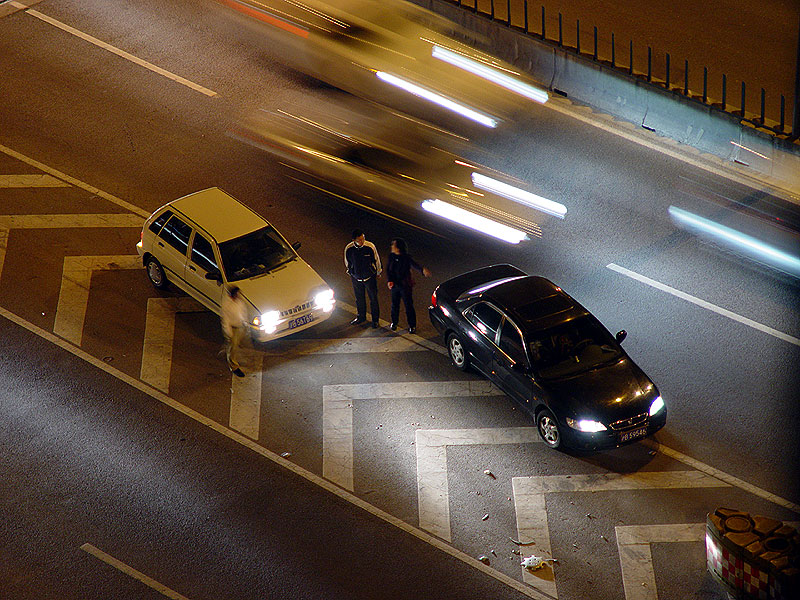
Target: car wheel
(458,354)
(548,428)
(156,273)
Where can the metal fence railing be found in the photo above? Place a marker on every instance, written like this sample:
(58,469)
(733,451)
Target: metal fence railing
(773,116)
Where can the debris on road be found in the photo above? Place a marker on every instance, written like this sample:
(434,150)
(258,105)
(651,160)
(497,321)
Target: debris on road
(518,543)
(286,454)
(486,516)
(484,559)
(489,473)
(533,563)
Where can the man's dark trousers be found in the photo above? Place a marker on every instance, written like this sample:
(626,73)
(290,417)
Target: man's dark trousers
(370,287)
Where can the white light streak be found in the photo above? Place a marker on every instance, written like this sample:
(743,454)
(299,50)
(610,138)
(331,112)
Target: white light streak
(749,150)
(442,101)
(490,74)
(757,249)
(517,195)
(473,221)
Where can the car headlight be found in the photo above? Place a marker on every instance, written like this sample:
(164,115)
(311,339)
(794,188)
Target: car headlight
(324,300)
(268,321)
(586,425)
(656,406)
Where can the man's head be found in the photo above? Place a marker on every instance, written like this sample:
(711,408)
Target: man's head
(358,237)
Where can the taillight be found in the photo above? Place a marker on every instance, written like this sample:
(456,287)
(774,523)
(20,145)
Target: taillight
(433,299)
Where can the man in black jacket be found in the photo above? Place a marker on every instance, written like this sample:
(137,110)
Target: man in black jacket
(364,267)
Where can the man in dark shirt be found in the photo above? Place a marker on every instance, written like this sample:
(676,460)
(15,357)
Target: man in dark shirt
(364,267)
(398,271)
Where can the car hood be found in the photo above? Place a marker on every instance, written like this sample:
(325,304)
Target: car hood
(606,394)
(286,287)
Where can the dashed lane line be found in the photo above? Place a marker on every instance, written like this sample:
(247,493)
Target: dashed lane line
(531,509)
(703,304)
(131,572)
(269,455)
(114,50)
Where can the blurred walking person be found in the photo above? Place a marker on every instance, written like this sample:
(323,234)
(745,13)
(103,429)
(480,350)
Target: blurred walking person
(364,267)
(233,315)
(401,282)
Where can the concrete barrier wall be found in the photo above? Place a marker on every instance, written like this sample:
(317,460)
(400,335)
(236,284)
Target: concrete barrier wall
(629,98)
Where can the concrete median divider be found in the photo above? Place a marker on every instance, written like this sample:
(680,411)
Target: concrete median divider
(753,557)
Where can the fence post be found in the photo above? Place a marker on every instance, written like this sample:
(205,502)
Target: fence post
(724,90)
(763,94)
(783,107)
(578,36)
(491,14)
(649,63)
(743,99)
(796,118)
(667,75)
(685,77)
(595,42)
(525,5)
(508,13)
(630,69)
(705,85)
(613,55)
(543,31)
(560,31)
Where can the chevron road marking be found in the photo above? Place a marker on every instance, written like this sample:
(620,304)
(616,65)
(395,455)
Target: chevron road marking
(529,503)
(74,295)
(159,330)
(337,415)
(9,222)
(28,181)
(432,489)
(344,346)
(245,411)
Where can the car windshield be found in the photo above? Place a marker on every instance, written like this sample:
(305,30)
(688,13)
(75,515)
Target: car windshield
(254,254)
(571,348)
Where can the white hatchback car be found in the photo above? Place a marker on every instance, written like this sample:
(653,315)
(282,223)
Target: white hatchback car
(207,240)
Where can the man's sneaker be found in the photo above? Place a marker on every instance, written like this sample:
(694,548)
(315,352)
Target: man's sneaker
(357,321)
(393,326)
(238,372)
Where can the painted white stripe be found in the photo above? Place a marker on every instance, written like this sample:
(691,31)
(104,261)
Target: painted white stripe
(120,53)
(159,330)
(74,295)
(337,415)
(286,464)
(76,182)
(432,489)
(245,410)
(395,343)
(30,181)
(703,304)
(131,572)
(529,503)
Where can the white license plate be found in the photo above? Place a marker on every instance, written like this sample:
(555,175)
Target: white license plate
(300,321)
(633,434)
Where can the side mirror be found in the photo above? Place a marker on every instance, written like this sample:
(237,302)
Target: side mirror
(621,335)
(214,275)
(296,246)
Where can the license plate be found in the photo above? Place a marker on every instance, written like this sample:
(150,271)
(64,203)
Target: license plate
(633,434)
(300,321)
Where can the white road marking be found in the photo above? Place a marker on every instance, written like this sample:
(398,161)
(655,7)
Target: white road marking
(31,181)
(286,464)
(531,510)
(159,330)
(131,572)
(337,415)
(703,304)
(432,490)
(9,222)
(74,295)
(120,53)
(245,409)
(395,343)
(76,182)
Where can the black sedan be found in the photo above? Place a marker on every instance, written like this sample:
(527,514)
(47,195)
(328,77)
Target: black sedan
(550,354)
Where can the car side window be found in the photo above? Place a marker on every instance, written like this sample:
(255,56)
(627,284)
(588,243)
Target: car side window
(159,221)
(486,319)
(203,254)
(511,342)
(176,233)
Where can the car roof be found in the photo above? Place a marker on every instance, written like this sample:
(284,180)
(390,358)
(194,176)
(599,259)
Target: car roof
(221,215)
(534,303)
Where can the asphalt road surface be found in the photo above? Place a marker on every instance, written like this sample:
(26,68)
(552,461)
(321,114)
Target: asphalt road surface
(157,468)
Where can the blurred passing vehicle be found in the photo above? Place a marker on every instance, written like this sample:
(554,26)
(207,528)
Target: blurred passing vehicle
(394,53)
(398,167)
(547,352)
(208,239)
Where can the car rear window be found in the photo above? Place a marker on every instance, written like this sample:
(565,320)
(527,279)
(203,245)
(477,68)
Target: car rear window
(176,233)
(159,221)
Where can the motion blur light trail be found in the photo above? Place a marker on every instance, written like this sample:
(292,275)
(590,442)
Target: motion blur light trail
(473,221)
(490,74)
(442,101)
(517,195)
(737,241)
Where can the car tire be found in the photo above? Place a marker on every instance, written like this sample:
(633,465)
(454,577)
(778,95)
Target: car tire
(155,273)
(548,428)
(457,352)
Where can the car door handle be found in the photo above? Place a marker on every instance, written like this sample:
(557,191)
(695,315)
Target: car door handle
(191,268)
(161,244)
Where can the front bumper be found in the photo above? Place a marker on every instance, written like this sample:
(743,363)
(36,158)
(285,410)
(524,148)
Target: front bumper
(286,327)
(604,440)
